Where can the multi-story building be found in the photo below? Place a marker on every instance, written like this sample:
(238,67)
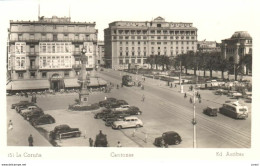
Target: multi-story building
(47,52)
(128,42)
(236,47)
(100,53)
(208,46)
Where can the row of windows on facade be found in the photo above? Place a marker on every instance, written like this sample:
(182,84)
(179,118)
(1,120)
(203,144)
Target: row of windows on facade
(132,61)
(43,74)
(153,32)
(153,37)
(139,48)
(153,43)
(55,37)
(240,50)
(152,53)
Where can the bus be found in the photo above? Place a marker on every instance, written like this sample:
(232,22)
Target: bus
(234,110)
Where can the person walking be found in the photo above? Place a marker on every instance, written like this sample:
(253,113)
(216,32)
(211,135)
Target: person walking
(185,95)
(30,140)
(190,100)
(90,142)
(143,98)
(119,144)
(105,97)
(10,125)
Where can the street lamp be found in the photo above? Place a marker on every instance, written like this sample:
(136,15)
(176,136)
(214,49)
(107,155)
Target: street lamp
(181,86)
(194,122)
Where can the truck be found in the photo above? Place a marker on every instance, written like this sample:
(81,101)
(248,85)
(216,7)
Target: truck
(127,80)
(64,131)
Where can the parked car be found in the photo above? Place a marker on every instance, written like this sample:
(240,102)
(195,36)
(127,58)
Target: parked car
(109,121)
(28,109)
(101,114)
(24,106)
(118,103)
(122,108)
(115,114)
(32,115)
(168,138)
(23,102)
(221,92)
(133,111)
(107,101)
(64,131)
(44,119)
(211,111)
(130,121)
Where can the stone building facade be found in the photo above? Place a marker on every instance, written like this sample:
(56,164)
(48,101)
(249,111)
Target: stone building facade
(128,42)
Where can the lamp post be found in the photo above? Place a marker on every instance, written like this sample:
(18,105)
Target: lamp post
(83,95)
(181,86)
(194,122)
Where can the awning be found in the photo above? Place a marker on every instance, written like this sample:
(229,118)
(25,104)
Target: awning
(70,83)
(101,81)
(9,86)
(93,82)
(29,84)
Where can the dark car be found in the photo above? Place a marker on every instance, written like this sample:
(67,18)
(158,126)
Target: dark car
(168,138)
(64,131)
(133,111)
(18,104)
(44,119)
(101,114)
(107,101)
(24,106)
(109,121)
(115,114)
(101,140)
(211,111)
(117,103)
(33,115)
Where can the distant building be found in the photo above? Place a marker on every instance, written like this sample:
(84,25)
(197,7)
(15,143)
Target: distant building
(236,47)
(100,54)
(130,42)
(208,46)
(47,52)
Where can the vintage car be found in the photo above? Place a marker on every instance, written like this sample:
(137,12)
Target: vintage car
(44,119)
(107,101)
(117,103)
(32,115)
(133,111)
(100,115)
(24,106)
(29,109)
(122,108)
(109,121)
(221,92)
(168,138)
(115,114)
(23,102)
(127,122)
(211,111)
(64,131)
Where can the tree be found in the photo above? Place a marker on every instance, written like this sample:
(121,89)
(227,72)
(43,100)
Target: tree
(222,65)
(203,61)
(150,60)
(211,62)
(246,61)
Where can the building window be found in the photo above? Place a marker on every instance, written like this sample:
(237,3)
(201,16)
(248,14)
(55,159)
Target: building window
(120,37)
(171,37)
(187,48)
(176,48)
(158,32)
(126,53)
(32,74)
(165,43)
(144,37)
(139,37)
(144,42)
(121,54)
(44,74)
(159,25)
(127,61)
(66,74)
(126,42)
(120,61)
(138,60)
(182,42)
(192,42)
(139,42)
(133,53)
(144,53)
(187,42)
(152,43)
(165,37)
(158,43)
(121,48)
(158,37)
(114,37)
(126,37)
(133,61)
(177,37)
(187,37)
(152,37)
(20,75)
(120,42)
(171,53)
(132,37)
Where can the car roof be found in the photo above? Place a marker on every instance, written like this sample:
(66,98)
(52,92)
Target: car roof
(131,117)
(170,132)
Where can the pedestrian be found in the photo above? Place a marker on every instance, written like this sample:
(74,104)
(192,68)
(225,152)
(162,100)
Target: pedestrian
(171,85)
(199,100)
(199,96)
(10,125)
(175,85)
(90,142)
(190,100)
(105,97)
(119,144)
(117,86)
(30,140)
(185,95)
(143,98)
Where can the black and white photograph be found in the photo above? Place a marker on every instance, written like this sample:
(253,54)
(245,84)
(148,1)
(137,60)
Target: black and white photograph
(129,80)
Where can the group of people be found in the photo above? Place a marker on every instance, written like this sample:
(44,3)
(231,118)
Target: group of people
(197,95)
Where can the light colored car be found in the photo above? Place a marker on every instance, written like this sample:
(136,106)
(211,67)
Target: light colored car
(29,109)
(130,121)
(122,108)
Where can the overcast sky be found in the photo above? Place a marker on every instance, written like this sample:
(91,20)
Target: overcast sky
(215,20)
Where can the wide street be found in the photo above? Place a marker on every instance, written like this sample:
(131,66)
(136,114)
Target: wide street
(164,109)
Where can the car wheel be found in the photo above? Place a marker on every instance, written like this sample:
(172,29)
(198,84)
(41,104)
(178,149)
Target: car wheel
(138,126)
(177,142)
(119,127)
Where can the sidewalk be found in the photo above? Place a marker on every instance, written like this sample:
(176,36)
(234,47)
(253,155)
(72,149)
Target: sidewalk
(22,129)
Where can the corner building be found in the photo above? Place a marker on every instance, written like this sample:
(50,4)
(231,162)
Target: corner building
(128,42)
(49,50)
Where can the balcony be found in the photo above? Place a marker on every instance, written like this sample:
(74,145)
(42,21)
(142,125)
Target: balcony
(77,53)
(32,54)
(33,41)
